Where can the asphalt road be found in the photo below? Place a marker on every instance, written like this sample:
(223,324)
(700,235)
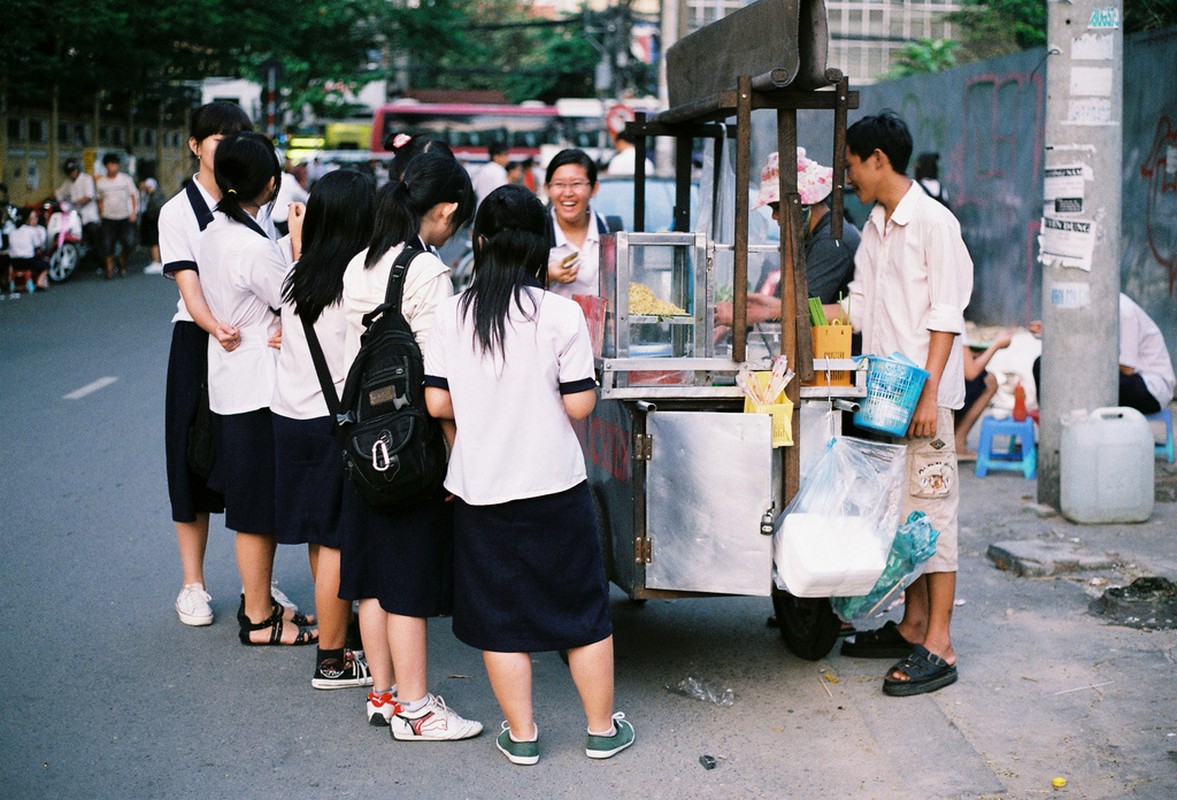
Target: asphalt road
(108,695)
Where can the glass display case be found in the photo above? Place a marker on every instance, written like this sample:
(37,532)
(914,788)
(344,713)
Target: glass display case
(659,324)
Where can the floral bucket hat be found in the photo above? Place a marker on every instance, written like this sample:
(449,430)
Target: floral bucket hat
(814,182)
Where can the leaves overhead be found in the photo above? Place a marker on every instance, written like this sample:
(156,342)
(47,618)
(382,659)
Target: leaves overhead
(135,52)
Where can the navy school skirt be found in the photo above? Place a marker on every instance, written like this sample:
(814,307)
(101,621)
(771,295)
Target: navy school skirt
(187,367)
(308,482)
(402,558)
(528,574)
(244,472)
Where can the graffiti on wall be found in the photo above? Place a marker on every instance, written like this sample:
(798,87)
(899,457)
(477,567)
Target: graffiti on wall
(1159,171)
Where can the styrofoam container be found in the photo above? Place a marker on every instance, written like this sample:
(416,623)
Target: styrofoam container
(818,555)
(1106,466)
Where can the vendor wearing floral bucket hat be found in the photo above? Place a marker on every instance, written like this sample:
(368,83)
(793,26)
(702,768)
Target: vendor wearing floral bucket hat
(829,262)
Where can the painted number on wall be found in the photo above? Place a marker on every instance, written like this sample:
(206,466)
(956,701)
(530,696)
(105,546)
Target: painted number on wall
(1105,18)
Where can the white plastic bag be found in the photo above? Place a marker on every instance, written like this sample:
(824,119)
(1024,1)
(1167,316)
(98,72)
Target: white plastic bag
(834,537)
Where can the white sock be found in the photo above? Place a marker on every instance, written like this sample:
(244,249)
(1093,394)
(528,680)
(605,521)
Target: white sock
(416,705)
(607,734)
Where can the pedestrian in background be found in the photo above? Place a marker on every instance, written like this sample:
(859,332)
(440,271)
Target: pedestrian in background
(151,202)
(241,273)
(913,277)
(397,564)
(493,173)
(512,365)
(80,192)
(118,206)
(308,483)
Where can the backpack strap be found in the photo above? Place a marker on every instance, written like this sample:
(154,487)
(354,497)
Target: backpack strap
(325,382)
(394,294)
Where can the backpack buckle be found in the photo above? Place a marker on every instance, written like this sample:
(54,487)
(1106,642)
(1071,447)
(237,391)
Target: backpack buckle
(381,460)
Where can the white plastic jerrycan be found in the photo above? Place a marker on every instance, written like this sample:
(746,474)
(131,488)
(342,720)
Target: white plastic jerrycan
(1106,466)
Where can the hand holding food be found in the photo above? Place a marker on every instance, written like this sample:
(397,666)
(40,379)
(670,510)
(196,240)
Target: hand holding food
(564,270)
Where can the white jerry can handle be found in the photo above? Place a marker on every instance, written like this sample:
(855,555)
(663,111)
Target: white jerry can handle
(1116,412)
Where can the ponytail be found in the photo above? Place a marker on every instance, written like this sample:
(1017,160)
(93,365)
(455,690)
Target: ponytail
(430,178)
(244,165)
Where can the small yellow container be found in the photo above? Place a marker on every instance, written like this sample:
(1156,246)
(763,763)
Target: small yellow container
(781,412)
(830,341)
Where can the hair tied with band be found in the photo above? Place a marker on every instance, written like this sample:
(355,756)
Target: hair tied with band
(232,192)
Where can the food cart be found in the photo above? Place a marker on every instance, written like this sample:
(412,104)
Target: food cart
(687,486)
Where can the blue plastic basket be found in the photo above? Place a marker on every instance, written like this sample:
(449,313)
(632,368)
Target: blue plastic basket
(893,386)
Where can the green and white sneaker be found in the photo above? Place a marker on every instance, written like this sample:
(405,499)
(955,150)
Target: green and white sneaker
(609,746)
(525,753)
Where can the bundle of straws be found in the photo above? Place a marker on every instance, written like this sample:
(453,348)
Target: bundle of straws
(765,396)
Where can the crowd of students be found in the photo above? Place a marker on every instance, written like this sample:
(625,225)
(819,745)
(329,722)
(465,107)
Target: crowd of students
(508,546)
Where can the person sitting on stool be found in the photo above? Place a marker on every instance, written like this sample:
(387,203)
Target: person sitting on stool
(1146,371)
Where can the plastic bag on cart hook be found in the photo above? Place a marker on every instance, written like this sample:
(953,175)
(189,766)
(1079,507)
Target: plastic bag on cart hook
(915,543)
(834,537)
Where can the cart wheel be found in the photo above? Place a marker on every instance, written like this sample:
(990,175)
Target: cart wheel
(808,625)
(63,262)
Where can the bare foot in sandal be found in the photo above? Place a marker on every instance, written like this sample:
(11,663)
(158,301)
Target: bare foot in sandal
(275,630)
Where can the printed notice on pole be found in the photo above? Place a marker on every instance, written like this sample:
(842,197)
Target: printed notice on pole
(1069,242)
(1070,295)
(1064,188)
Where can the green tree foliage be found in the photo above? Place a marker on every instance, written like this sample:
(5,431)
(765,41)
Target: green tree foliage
(991,28)
(924,55)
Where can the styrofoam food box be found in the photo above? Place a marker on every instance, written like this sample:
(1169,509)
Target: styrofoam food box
(829,556)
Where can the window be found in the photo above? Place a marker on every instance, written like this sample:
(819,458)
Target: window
(16,129)
(38,130)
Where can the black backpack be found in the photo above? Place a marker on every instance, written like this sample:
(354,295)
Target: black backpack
(393,451)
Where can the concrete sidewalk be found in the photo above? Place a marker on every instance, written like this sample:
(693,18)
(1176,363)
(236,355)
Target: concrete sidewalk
(1034,540)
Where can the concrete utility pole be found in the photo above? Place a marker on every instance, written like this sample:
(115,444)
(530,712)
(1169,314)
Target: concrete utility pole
(1079,242)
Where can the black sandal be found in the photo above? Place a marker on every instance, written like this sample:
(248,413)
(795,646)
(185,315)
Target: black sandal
(300,619)
(925,671)
(884,642)
(275,623)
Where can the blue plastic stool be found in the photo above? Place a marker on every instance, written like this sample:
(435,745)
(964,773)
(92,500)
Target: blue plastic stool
(1165,415)
(1021,456)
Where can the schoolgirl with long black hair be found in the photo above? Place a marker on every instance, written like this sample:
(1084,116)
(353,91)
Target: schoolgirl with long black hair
(397,564)
(242,271)
(308,484)
(512,365)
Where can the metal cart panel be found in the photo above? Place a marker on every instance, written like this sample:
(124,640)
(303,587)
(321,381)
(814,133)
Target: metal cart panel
(704,524)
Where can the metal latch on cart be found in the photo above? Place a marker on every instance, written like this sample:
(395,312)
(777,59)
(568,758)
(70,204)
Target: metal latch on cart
(643,446)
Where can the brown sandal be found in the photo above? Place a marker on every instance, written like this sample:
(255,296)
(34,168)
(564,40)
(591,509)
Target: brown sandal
(275,623)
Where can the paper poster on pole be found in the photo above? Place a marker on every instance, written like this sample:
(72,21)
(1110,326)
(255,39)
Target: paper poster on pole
(1064,188)
(1070,242)
(1092,47)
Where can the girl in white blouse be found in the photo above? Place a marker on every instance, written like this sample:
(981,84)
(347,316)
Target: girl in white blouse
(308,484)
(397,564)
(512,365)
(241,273)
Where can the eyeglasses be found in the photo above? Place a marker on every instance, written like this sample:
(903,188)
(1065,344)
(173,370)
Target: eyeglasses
(575,186)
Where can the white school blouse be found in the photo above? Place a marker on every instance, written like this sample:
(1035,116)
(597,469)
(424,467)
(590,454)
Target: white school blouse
(514,439)
(179,238)
(297,391)
(241,274)
(587,274)
(427,283)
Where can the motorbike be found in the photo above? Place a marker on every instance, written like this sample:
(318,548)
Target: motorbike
(66,245)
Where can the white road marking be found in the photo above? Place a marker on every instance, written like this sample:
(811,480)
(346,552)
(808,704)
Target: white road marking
(90,388)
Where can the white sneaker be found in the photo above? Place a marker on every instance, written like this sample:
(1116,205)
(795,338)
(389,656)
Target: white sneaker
(154,268)
(193,605)
(433,722)
(380,708)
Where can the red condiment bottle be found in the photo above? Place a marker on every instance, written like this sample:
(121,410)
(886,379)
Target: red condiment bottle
(1019,402)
